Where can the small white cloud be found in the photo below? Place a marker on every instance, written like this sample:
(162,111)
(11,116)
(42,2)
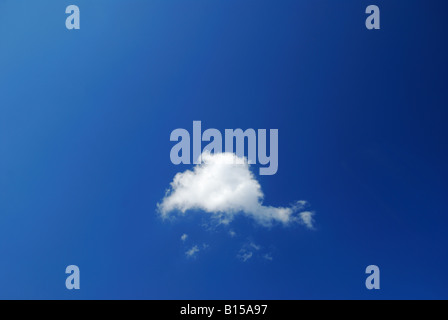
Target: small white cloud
(268,256)
(192,252)
(232,233)
(302,203)
(248,251)
(307,219)
(253,245)
(184,237)
(244,256)
(224,189)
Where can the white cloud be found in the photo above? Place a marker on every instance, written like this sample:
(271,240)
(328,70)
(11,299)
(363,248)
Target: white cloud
(306,218)
(253,245)
(224,189)
(192,252)
(184,237)
(249,250)
(232,233)
(244,256)
(268,256)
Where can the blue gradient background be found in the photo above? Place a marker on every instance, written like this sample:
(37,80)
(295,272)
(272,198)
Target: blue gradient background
(85,119)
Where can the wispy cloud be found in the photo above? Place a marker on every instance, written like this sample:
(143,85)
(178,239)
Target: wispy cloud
(192,252)
(224,189)
(244,256)
(184,237)
(268,256)
(306,218)
(251,250)
(248,251)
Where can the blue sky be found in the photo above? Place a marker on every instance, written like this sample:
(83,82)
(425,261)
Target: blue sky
(85,121)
